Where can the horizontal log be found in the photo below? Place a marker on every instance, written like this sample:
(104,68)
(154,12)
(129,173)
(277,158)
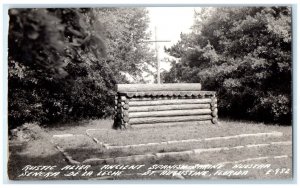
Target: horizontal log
(170,124)
(169,93)
(158,87)
(147,120)
(175,101)
(150,98)
(168,107)
(170,113)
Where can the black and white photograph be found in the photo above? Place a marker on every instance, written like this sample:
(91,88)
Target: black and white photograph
(181,93)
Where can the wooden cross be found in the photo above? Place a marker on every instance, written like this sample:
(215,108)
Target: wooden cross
(156,52)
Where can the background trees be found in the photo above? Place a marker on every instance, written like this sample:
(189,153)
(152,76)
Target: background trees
(64,63)
(126,51)
(245,55)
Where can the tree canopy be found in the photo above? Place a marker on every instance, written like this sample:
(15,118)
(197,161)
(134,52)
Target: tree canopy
(64,63)
(244,53)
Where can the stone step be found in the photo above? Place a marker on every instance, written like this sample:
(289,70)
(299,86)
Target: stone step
(164,134)
(216,155)
(82,147)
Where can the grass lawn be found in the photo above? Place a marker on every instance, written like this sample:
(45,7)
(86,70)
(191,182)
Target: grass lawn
(182,133)
(81,146)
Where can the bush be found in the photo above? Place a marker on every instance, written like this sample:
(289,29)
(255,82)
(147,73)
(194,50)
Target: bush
(64,63)
(27,132)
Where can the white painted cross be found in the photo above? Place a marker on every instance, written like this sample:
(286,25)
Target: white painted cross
(157,56)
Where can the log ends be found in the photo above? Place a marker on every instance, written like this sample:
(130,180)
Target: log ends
(148,120)
(143,94)
(171,124)
(170,113)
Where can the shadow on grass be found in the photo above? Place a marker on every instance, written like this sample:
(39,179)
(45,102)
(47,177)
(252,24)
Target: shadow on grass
(18,160)
(80,123)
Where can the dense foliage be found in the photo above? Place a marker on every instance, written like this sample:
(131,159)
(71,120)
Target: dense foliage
(245,55)
(64,63)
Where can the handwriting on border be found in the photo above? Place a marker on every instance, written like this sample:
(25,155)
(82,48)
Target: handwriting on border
(142,170)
